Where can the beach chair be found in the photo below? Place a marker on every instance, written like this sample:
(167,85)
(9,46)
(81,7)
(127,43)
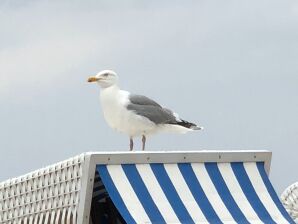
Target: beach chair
(146,187)
(289,199)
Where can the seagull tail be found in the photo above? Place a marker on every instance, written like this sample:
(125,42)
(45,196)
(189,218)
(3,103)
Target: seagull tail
(189,125)
(197,128)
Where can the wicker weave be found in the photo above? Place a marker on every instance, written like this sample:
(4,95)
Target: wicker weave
(289,199)
(48,195)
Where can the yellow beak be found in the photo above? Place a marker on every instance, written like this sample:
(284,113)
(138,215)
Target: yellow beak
(93,79)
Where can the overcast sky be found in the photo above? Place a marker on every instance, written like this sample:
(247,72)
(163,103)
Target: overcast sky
(231,66)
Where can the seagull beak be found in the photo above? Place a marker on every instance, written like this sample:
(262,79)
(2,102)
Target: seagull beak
(93,79)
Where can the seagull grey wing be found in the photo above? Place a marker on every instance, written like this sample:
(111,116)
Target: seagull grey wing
(156,114)
(148,108)
(142,100)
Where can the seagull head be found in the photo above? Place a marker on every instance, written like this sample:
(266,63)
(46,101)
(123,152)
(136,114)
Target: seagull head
(105,78)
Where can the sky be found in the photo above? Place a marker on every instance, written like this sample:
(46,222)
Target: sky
(230,66)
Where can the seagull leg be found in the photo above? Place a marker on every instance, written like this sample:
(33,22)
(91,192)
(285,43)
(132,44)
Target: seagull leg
(144,142)
(131,144)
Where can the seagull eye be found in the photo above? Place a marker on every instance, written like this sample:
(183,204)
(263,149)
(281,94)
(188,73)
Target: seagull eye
(106,74)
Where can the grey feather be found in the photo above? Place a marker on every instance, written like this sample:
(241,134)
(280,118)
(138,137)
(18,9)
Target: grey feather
(142,100)
(148,108)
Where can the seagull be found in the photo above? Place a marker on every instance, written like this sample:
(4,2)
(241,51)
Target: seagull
(135,115)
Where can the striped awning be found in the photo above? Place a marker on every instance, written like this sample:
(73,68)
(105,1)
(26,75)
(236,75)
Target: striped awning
(193,193)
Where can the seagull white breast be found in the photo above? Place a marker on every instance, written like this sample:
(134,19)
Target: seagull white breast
(114,105)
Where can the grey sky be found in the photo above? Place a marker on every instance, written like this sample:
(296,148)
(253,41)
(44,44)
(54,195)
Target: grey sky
(230,66)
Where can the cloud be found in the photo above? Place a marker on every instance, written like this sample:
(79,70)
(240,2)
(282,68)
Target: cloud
(237,59)
(45,42)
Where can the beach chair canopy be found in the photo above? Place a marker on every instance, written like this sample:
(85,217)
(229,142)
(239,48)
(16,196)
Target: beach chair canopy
(152,187)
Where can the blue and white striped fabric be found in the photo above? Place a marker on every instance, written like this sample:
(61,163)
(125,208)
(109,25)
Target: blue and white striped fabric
(193,193)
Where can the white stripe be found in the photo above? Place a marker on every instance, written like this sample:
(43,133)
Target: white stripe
(156,193)
(184,193)
(211,193)
(237,193)
(261,190)
(127,193)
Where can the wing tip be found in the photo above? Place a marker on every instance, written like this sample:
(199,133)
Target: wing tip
(197,128)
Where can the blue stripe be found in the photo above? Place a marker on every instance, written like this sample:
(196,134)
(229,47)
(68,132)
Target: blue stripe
(250,192)
(171,193)
(272,192)
(114,194)
(198,193)
(225,193)
(143,194)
